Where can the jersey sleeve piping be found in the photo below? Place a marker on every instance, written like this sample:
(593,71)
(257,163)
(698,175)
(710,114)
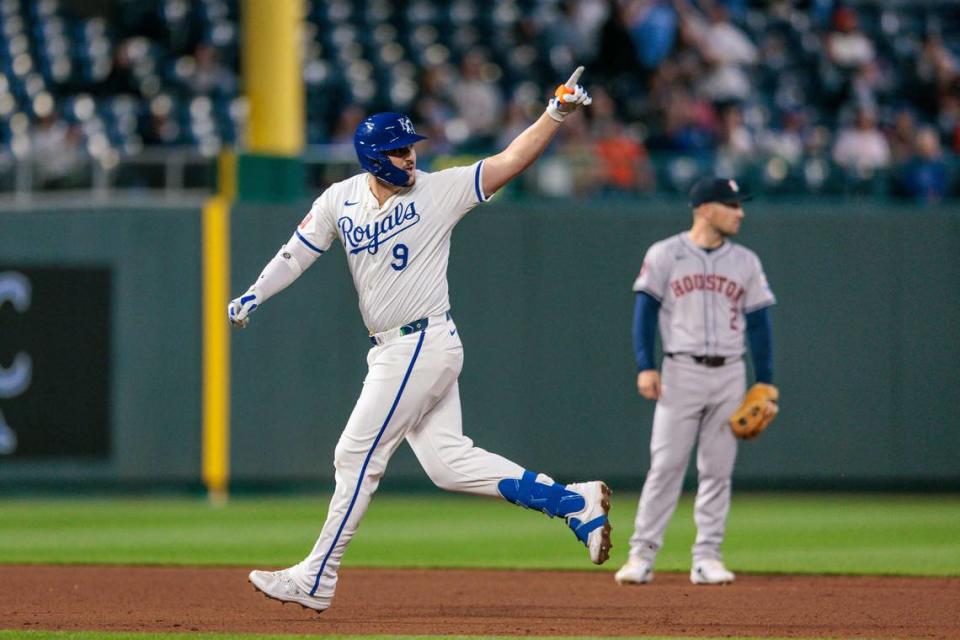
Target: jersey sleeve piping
(650,292)
(319,252)
(760,305)
(481,197)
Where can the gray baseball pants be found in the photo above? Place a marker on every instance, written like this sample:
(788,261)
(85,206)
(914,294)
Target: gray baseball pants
(695,403)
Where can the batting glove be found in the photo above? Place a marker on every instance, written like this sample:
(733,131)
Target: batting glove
(239,309)
(568,97)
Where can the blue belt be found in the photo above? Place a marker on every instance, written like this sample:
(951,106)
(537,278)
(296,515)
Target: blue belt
(416,326)
(407,329)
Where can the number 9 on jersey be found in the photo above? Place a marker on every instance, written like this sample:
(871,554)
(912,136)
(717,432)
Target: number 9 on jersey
(401,253)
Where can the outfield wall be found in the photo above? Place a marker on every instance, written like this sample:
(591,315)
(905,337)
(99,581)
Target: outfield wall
(866,341)
(150,359)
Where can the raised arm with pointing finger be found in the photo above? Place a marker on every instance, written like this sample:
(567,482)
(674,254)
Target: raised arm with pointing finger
(298,254)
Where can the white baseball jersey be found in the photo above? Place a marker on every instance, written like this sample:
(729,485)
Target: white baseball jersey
(397,253)
(703,295)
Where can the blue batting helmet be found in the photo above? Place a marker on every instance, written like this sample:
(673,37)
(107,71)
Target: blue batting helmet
(383,132)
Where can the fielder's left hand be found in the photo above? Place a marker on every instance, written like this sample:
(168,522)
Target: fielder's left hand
(239,309)
(568,97)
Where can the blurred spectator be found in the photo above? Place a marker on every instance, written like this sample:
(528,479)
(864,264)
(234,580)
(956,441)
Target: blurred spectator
(868,84)
(652,26)
(588,20)
(56,148)
(689,124)
(735,142)
(925,176)
(576,151)
(561,38)
(347,122)
(517,119)
(435,116)
(121,78)
(725,83)
(571,36)
(842,75)
(817,143)
(862,148)
(936,66)
(719,40)
(902,136)
(948,118)
(161,126)
(477,98)
(787,141)
(616,63)
(624,166)
(726,49)
(210,75)
(570,169)
(847,46)
(816,163)
(820,10)
(773,52)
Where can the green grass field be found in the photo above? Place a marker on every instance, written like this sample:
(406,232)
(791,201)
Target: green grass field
(788,533)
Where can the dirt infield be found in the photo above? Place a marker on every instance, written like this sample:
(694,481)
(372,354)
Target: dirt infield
(475,602)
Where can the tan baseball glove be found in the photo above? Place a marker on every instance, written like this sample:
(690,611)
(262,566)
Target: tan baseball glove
(757,411)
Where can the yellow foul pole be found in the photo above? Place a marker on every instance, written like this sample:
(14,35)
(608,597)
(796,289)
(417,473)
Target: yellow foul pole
(273,75)
(216,347)
(273,84)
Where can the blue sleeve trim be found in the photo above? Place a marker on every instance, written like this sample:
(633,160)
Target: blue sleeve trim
(476,183)
(645,315)
(309,246)
(762,305)
(652,294)
(760,335)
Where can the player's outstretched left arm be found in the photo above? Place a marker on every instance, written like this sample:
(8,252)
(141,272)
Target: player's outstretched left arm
(500,169)
(285,267)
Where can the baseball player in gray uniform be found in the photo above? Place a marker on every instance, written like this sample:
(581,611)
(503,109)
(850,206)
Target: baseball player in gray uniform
(706,292)
(394,223)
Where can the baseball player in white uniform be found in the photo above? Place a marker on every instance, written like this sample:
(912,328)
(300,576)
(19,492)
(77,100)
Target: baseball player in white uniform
(394,223)
(706,292)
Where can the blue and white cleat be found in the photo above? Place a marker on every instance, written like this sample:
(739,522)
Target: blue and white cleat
(591,525)
(280,585)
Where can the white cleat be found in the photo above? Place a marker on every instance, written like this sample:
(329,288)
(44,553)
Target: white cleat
(592,524)
(636,571)
(279,585)
(710,571)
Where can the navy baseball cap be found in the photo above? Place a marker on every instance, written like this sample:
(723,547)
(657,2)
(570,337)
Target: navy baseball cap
(716,190)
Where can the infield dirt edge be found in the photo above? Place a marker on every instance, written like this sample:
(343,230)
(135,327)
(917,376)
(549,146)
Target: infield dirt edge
(478,602)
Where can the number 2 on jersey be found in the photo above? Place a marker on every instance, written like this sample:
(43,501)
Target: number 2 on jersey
(401,253)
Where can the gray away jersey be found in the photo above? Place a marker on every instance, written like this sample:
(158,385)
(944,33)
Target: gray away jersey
(397,253)
(703,295)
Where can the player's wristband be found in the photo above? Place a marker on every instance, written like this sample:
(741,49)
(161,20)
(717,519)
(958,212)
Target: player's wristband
(553,107)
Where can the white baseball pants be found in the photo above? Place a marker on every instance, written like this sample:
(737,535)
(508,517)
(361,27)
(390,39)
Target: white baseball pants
(410,392)
(694,406)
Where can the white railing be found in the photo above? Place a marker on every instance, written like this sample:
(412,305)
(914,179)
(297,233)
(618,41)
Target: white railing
(170,173)
(166,174)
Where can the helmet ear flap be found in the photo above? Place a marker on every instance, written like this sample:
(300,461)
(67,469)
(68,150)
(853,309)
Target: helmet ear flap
(380,132)
(377,164)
